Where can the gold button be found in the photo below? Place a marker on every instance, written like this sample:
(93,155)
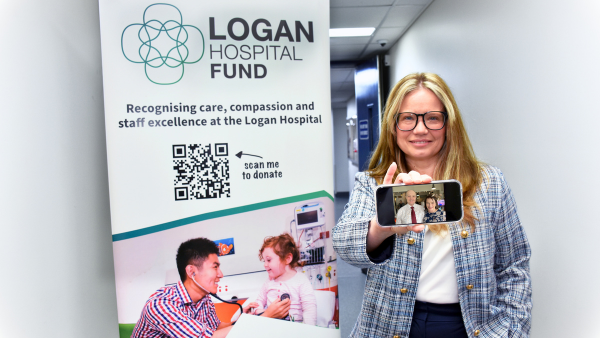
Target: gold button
(476,333)
(470,287)
(410,241)
(404,290)
(396,336)
(464,234)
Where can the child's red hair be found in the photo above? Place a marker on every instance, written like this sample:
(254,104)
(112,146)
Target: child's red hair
(282,245)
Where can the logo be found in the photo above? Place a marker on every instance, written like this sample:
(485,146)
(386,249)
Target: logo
(163,44)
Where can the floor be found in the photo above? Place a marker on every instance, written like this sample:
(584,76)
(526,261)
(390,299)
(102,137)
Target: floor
(351,281)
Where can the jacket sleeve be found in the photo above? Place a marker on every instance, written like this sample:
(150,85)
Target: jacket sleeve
(350,233)
(511,266)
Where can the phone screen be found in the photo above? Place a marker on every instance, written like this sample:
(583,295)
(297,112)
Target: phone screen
(403,205)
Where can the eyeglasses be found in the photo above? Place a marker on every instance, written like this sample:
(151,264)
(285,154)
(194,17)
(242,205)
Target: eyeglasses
(433,120)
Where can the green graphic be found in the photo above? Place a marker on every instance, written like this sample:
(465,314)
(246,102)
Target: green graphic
(163,44)
(219,213)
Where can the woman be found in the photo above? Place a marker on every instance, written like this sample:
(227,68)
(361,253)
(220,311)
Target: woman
(432,213)
(426,280)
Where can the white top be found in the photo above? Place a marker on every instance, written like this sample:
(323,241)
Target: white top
(437,282)
(403,215)
(303,306)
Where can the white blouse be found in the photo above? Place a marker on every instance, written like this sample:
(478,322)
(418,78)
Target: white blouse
(437,282)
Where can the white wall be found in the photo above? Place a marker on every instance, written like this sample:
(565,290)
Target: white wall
(55,247)
(525,75)
(340,150)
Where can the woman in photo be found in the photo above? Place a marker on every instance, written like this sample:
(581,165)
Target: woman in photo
(463,279)
(432,213)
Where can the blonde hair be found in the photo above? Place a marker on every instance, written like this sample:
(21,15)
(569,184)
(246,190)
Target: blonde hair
(456,158)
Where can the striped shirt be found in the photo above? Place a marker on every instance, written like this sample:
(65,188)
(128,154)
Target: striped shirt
(492,265)
(170,312)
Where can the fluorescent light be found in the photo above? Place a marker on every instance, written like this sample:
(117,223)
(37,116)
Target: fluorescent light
(340,32)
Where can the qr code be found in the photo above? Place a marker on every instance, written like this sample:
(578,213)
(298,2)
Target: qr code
(202,171)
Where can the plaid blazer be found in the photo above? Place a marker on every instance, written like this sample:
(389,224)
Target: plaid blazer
(493,261)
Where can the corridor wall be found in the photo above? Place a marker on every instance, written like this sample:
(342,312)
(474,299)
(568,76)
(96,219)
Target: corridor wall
(55,247)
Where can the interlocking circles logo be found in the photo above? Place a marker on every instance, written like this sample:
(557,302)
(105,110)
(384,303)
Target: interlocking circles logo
(163,44)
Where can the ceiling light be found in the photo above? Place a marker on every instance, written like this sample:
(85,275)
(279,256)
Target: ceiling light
(340,32)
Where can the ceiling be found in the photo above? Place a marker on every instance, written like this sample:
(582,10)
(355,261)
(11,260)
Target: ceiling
(391,18)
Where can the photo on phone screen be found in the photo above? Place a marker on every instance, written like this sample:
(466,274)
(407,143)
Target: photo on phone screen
(436,202)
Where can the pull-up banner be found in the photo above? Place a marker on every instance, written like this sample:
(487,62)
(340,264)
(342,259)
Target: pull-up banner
(218,125)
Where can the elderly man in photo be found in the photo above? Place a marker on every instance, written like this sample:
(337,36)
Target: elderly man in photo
(186,309)
(411,212)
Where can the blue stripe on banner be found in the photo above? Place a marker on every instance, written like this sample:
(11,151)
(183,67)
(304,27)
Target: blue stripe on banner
(217,214)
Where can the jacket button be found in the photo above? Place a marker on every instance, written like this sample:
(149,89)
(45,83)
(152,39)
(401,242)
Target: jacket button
(476,333)
(470,287)
(404,290)
(410,241)
(396,336)
(464,234)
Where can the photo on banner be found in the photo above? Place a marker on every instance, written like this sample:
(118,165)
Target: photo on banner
(218,125)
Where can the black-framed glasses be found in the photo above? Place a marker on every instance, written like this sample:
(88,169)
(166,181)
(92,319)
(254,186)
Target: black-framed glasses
(433,120)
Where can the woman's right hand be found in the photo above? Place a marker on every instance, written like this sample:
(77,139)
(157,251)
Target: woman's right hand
(377,234)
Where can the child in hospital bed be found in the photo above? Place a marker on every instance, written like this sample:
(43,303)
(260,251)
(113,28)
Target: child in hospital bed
(281,256)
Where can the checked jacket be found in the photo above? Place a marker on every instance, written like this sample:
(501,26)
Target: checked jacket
(493,261)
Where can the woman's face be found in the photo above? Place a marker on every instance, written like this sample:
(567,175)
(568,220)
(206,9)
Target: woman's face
(430,204)
(421,144)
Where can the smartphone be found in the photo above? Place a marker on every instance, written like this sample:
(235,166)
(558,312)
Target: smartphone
(404,205)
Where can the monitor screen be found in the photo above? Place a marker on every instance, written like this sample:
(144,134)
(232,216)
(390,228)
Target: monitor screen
(308,217)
